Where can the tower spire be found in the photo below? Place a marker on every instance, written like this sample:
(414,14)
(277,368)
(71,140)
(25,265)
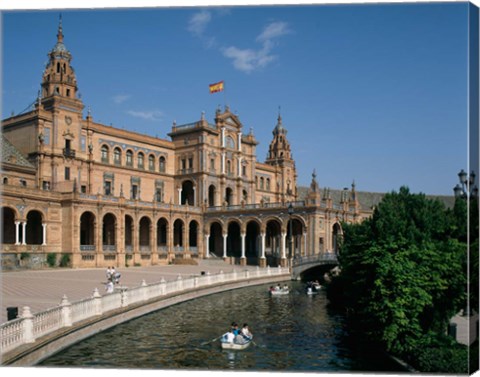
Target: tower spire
(60,30)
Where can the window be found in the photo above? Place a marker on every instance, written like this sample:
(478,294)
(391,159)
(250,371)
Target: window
(5,180)
(262,183)
(190,163)
(229,167)
(134,192)
(230,143)
(46,185)
(68,92)
(244,170)
(23,182)
(212,164)
(162,164)
(83,189)
(151,162)
(140,162)
(46,136)
(67,174)
(158,195)
(104,152)
(129,158)
(268,184)
(108,188)
(117,156)
(83,143)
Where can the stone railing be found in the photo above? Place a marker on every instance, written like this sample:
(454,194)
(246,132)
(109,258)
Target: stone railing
(30,327)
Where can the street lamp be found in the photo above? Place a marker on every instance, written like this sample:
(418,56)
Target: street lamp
(290,213)
(466,188)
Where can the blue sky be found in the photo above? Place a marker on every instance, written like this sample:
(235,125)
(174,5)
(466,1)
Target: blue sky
(371,93)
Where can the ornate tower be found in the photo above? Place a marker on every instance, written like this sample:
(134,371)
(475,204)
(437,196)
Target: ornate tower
(280,156)
(279,151)
(59,81)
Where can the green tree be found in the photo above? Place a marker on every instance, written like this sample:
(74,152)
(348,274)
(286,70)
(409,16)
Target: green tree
(402,271)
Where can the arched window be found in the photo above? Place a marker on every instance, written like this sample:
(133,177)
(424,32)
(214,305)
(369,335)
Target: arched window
(151,162)
(129,155)
(268,184)
(229,167)
(162,164)
(262,183)
(117,156)
(104,152)
(141,160)
(5,180)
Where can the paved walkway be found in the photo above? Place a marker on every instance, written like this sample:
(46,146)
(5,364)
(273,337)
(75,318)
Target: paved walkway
(44,289)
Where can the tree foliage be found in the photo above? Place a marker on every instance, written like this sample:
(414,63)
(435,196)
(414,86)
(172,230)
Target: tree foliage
(403,271)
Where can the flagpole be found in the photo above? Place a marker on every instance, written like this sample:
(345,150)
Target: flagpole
(225,94)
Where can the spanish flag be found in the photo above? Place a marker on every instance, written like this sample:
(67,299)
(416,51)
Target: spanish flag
(217,87)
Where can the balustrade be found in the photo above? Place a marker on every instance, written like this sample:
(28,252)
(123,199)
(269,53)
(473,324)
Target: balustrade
(30,327)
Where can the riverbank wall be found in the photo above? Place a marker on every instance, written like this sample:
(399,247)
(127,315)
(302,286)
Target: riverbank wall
(32,338)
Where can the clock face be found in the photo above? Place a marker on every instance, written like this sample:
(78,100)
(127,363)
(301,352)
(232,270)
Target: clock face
(68,120)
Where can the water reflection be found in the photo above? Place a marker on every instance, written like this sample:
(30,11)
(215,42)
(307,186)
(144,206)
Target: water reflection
(291,333)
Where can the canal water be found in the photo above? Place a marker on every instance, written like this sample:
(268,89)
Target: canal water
(292,333)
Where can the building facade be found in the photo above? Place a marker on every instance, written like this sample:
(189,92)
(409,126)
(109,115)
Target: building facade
(94,195)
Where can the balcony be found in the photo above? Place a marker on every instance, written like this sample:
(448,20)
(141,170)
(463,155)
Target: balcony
(69,153)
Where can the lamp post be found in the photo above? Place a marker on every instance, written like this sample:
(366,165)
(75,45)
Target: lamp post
(466,188)
(290,213)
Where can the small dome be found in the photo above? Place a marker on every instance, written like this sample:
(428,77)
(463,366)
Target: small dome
(279,129)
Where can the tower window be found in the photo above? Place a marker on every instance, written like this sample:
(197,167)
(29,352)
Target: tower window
(67,174)
(58,67)
(68,92)
(162,164)
(129,158)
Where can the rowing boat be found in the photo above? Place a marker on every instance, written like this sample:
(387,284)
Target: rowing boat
(235,346)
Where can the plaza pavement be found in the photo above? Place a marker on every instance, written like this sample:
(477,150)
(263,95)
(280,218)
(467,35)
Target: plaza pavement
(44,289)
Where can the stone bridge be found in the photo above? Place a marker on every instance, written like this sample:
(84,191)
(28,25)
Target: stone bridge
(302,264)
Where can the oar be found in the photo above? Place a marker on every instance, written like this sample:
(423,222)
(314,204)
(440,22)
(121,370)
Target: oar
(218,337)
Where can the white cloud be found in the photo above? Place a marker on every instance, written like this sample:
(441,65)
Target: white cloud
(121,98)
(248,60)
(147,115)
(199,22)
(273,30)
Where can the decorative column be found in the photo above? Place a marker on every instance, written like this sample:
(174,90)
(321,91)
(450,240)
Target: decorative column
(223,137)
(24,233)
(243,259)
(223,162)
(282,250)
(305,244)
(44,226)
(263,261)
(194,196)
(239,142)
(207,246)
(17,232)
(179,196)
(225,235)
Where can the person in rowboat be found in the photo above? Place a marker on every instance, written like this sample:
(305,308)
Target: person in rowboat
(246,331)
(228,337)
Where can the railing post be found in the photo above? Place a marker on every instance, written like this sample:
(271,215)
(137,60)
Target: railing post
(144,290)
(97,302)
(221,276)
(269,272)
(195,281)
(163,283)
(247,274)
(124,298)
(66,312)
(179,283)
(209,278)
(27,316)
